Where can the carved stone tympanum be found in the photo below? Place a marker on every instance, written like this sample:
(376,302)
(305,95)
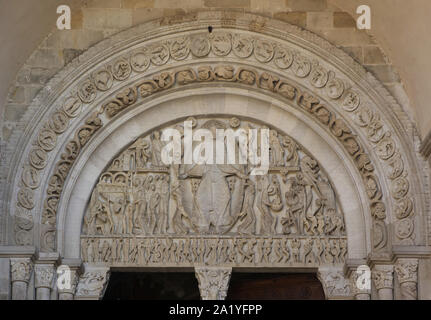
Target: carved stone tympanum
(143,212)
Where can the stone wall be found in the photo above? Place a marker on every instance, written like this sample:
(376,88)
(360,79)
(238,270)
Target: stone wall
(98,19)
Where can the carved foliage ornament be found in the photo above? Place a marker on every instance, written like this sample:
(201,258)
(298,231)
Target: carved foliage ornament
(213,282)
(383,277)
(334,283)
(44,275)
(242,46)
(21,269)
(93,283)
(406,270)
(407,273)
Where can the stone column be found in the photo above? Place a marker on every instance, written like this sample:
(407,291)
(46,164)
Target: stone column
(361,284)
(5,282)
(213,282)
(44,278)
(335,285)
(407,275)
(92,284)
(383,280)
(21,269)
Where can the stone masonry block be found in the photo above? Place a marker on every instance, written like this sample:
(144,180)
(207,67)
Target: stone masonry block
(296,18)
(17,95)
(373,55)
(77,39)
(100,19)
(14,112)
(346,36)
(343,20)
(307,5)
(46,58)
(385,73)
(355,52)
(70,54)
(174,4)
(137,4)
(227,3)
(319,20)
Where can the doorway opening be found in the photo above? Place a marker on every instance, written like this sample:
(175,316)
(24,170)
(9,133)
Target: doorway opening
(275,286)
(152,286)
(184,286)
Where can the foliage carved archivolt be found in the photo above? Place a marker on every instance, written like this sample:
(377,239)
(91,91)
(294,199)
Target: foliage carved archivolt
(243,46)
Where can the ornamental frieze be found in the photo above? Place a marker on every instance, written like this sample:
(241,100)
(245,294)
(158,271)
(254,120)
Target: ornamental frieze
(243,46)
(171,251)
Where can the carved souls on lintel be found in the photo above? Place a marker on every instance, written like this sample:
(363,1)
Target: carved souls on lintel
(243,46)
(213,251)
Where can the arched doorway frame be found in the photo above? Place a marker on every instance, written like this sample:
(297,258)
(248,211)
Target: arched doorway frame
(309,52)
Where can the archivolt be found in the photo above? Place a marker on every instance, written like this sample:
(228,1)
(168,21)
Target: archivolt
(279,59)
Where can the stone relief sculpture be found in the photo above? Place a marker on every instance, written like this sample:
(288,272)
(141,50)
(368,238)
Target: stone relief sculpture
(145,212)
(213,282)
(229,43)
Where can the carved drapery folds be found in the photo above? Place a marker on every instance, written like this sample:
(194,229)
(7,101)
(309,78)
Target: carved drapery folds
(346,99)
(164,214)
(213,282)
(407,274)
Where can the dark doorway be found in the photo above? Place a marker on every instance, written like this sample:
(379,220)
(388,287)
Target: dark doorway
(184,286)
(152,286)
(276,286)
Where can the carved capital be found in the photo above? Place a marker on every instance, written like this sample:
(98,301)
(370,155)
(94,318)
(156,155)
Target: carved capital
(407,274)
(213,282)
(92,284)
(21,269)
(383,277)
(334,284)
(406,270)
(44,275)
